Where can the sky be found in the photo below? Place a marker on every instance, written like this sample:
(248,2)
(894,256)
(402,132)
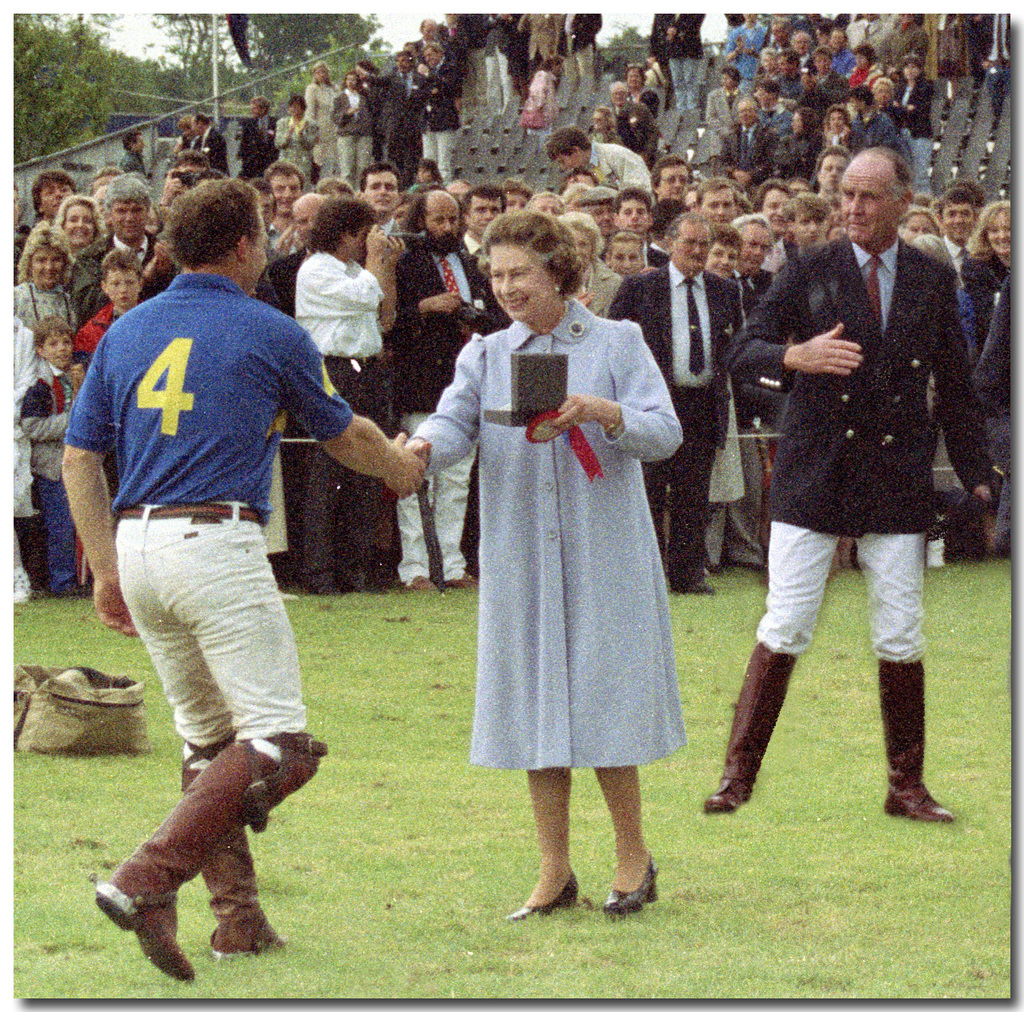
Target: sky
(137,36)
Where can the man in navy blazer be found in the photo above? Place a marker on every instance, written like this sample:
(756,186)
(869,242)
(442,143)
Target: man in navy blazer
(692,357)
(856,329)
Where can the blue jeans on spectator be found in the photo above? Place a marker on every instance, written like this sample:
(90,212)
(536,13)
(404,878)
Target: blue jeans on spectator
(685,81)
(60,534)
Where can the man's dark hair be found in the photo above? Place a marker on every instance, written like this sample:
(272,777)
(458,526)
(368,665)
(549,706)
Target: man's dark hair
(866,50)
(639,193)
(515,184)
(206,222)
(46,177)
(770,85)
(732,72)
(338,216)
(130,138)
(964,192)
(415,220)
(487,191)
(203,117)
(282,167)
(120,260)
(298,100)
(565,140)
(766,187)
(666,162)
(373,169)
(665,212)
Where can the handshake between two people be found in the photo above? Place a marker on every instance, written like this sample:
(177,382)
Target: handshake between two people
(407,464)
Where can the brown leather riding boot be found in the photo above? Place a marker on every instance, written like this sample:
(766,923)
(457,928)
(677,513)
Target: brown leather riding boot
(757,710)
(901,693)
(230,875)
(239,786)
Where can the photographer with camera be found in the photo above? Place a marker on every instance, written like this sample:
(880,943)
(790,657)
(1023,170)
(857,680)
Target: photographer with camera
(442,299)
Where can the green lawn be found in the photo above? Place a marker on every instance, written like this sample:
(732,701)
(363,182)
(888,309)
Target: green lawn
(392,871)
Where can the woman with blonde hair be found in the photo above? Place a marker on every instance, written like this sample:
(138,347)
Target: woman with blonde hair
(44,271)
(986,266)
(320,95)
(353,125)
(599,282)
(575,663)
(79,218)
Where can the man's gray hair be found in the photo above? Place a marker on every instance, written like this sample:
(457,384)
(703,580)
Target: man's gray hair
(126,188)
(744,220)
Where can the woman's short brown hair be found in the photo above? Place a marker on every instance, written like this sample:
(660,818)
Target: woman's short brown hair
(541,234)
(207,221)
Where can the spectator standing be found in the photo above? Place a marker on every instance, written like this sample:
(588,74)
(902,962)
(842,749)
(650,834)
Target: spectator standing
(598,283)
(720,110)
(401,116)
(346,308)
(676,44)
(580,34)
(833,86)
(435,93)
(796,153)
(997,63)
(773,112)
(133,145)
(499,81)
(907,37)
(986,267)
(843,61)
(958,210)
(256,147)
(687,316)
(915,118)
(867,70)
(545,36)
(297,135)
(45,412)
(321,94)
(638,91)
(287,182)
(208,139)
(742,46)
(541,105)
(352,121)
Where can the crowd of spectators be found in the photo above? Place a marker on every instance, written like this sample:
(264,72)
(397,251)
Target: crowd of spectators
(372,242)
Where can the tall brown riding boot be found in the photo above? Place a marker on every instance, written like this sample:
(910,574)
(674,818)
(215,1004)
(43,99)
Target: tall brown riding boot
(239,786)
(757,710)
(901,693)
(230,875)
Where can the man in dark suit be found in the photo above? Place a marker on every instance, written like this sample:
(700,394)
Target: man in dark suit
(210,142)
(856,328)
(580,50)
(675,42)
(688,317)
(401,117)
(436,91)
(442,298)
(256,140)
(747,150)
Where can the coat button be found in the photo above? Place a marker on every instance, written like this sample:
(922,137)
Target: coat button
(552,535)
(849,433)
(897,399)
(887,440)
(915,363)
(844,398)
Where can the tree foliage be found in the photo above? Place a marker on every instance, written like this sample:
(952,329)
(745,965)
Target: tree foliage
(63,83)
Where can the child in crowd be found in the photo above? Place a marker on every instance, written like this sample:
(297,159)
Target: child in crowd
(45,411)
(625,254)
(724,254)
(121,281)
(807,216)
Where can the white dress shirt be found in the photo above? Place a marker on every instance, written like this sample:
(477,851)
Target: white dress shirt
(886,275)
(681,374)
(338,303)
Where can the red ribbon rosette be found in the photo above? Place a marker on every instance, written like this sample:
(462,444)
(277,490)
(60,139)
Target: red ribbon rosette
(539,431)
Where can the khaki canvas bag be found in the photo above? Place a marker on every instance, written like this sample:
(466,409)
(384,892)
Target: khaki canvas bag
(78,711)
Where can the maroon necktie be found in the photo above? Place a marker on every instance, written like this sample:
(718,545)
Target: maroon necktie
(874,295)
(449,276)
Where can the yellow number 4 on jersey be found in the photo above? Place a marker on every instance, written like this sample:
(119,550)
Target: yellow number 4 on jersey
(172,400)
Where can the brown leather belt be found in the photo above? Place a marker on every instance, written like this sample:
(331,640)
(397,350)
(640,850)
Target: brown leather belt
(199,513)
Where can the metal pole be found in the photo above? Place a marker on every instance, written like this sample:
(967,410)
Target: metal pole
(216,83)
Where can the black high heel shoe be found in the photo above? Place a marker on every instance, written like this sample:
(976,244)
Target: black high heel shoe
(619,904)
(566,898)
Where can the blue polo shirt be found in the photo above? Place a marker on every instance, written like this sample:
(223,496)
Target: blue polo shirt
(188,388)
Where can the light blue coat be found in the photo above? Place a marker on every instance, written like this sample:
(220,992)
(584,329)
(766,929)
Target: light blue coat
(575,665)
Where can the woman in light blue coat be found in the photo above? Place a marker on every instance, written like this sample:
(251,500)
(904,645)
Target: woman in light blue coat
(575,660)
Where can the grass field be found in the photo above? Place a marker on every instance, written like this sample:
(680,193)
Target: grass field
(392,871)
